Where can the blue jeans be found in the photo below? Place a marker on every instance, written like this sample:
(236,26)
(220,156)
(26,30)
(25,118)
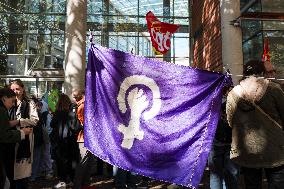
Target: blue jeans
(46,161)
(36,162)
(223,172)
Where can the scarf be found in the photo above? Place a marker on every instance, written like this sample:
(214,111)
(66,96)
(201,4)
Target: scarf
(23,151)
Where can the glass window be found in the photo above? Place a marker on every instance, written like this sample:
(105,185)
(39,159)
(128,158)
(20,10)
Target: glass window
(180,44)
(276,48)
(156,6)
(253,49)
(33,35)
(254,33)
(250,28)
(33,32)
(272,6)
(255,7)
(123,24)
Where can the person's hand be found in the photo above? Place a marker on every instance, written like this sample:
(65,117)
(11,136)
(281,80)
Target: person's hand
(27,130)
(14,123)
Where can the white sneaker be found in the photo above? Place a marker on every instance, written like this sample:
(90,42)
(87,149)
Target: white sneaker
(60,185)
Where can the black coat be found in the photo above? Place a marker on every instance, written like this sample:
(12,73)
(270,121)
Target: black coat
(8,138)
(64,135)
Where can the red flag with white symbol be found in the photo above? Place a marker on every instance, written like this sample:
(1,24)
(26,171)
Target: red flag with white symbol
(160,33)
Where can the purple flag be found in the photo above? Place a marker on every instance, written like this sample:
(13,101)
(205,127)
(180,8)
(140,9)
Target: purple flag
(150,117)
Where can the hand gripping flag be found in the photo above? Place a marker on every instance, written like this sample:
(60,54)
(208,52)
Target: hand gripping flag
(160,33)
(153,118)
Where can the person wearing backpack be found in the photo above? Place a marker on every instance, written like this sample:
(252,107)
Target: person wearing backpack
(255,111)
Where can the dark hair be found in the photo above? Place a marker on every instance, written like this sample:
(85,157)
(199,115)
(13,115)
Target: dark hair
(21,84)
(64,103)
(7,92)
(39,103)
(254,67)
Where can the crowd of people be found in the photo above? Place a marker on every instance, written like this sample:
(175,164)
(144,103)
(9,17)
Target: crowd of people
(36,142)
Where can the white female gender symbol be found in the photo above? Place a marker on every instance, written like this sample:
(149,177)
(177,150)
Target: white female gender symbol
(137,103)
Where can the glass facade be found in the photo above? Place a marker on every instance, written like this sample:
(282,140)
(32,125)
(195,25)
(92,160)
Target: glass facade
(121,24)
(33,33)
(256,30)
(32,39)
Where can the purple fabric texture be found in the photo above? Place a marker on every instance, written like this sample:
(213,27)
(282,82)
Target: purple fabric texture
(151,117)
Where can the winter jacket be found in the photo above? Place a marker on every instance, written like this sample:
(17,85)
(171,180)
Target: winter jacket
(7,135)
(256,140)
(63,136)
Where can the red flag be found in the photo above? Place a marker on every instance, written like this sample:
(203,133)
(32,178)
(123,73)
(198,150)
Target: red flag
(160,33)
(266,51)
(270,71)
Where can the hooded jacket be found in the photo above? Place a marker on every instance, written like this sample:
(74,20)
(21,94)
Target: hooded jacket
(256,140)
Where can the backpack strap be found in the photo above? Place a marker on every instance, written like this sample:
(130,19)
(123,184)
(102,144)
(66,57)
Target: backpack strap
(268,116)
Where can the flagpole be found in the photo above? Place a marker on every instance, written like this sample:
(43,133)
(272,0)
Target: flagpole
(91,36)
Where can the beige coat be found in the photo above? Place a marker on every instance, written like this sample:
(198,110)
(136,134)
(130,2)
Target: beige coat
(256,140)
(23,169)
